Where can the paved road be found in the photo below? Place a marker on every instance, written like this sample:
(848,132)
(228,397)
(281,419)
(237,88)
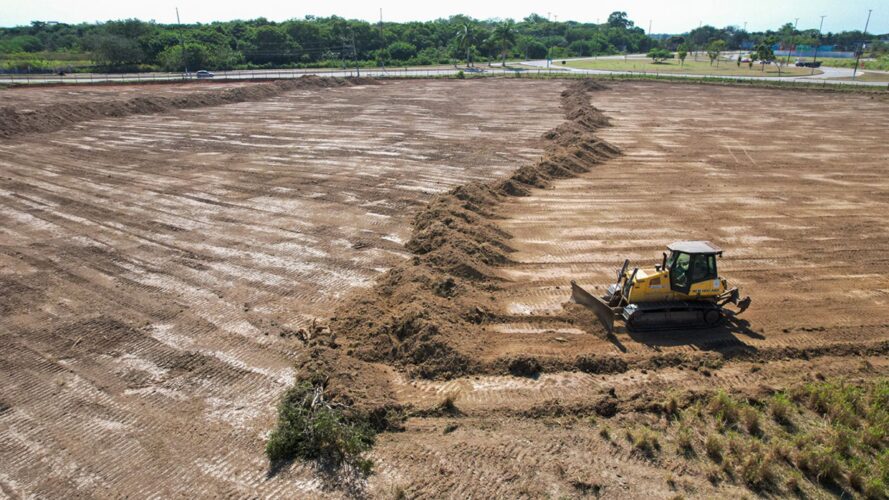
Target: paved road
(828,77)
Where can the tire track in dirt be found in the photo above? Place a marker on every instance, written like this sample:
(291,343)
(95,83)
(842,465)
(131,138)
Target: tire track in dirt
(205,239)
(804,246)
(793,240)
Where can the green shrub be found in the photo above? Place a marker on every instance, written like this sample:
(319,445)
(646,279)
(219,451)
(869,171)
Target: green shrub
(684,441)
(750,419)
(875,489)
(757,471)
(313,429)
(781,408)
(713,445)
(645,442)
(820,462)
(724,408)
(605,432)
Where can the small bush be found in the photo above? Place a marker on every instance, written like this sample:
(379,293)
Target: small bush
(605,432)
(684,441)
(875,436)
(750,419)
(311,428)
(792,485)
(856,480)
(819,462)
(736,445)
(713,446)
(645,442)
(724,408)
(671,408)
(713,474)
(757,471)
(876,489)
(839,402)
(781,408)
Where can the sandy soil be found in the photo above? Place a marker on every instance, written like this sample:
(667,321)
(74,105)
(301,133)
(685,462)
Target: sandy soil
(24,97)
(795,194)
(150,265)
(797,204)
(154,268)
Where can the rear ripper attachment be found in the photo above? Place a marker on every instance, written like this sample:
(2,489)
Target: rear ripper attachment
(684,291)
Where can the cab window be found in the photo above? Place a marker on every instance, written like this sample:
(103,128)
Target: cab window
(703,268)
(678,265)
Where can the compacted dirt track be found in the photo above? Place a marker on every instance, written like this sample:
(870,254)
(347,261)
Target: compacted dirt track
(154,268)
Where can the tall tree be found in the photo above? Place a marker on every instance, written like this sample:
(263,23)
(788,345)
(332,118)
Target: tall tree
(682,53)
(619,20)
(764,54)
(504,37)
(714,49)
(466,39)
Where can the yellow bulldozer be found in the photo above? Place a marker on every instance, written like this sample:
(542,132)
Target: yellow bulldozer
(684,291)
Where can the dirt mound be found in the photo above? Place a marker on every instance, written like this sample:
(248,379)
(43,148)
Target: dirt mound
(49,118)
(418,313)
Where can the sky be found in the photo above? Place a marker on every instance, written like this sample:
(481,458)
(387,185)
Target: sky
(675,16)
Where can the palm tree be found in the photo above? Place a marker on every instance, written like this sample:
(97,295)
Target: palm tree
(504,36)
(465,37)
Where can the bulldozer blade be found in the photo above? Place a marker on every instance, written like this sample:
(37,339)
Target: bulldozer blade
(602,310)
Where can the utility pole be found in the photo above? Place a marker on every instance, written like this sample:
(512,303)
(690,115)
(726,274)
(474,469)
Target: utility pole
(355,54)
(863,42)
(382,40)
(181,43)
(817,44)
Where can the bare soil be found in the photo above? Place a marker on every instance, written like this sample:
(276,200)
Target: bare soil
(795,196)
(160,273)
(155,269)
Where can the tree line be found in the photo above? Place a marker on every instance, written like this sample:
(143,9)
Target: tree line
(334,42)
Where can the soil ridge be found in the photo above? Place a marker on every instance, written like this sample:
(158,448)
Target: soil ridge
(15,122)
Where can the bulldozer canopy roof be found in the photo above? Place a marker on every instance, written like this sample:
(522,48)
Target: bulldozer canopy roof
(704,247)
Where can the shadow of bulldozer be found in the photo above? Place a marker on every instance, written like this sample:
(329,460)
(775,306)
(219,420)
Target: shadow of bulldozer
(725,338)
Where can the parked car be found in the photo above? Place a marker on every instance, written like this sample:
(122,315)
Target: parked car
(808,64)
(203,74)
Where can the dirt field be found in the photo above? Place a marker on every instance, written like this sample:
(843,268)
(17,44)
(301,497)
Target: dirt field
(154,269)
(795,195)
(150,265)
(25,97)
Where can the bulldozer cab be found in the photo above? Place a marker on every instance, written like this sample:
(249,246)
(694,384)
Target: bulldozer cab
(691,262)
